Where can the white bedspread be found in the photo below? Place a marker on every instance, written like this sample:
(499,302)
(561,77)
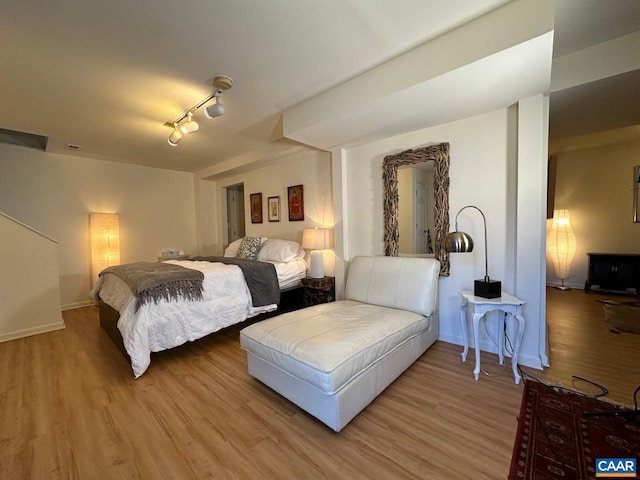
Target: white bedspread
(153,328)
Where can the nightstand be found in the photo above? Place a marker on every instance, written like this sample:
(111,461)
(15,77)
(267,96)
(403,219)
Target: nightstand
(318,290)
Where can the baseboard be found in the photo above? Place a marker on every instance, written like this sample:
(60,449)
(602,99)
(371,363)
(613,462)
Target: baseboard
(73,306)
(524,360)
(456,340)
(27,332)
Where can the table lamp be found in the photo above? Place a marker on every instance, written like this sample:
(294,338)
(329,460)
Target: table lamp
(460,242)
(316,240)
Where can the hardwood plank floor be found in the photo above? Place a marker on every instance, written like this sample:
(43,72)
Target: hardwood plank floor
(581,345)
(70,408)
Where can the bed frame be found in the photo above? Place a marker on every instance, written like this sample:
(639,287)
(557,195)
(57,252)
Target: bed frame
(290,299)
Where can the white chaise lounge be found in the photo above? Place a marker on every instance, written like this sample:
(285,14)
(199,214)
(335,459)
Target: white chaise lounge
(333,359)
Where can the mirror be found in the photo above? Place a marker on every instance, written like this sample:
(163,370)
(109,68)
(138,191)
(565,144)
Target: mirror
(415,209)
(439,154)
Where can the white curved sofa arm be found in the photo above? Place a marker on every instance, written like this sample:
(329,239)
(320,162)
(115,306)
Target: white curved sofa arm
(408,283)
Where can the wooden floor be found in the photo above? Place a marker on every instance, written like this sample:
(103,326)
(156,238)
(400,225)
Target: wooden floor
(581,345)
(70,408)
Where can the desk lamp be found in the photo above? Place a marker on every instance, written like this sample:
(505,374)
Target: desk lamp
(461,242)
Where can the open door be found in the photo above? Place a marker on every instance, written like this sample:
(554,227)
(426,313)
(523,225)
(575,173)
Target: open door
(235,212)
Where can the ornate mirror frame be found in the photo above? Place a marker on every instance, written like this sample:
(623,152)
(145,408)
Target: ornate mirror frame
(439,154)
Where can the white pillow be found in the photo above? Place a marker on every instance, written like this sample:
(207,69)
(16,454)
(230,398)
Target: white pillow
(232,248)
(277,250)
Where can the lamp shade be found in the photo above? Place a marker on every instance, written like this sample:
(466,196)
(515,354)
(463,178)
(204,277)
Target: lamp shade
(458,242)
(316,238)
(105,241)
(561,244)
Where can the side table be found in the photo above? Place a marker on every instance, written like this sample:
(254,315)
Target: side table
(318,290)
(508,305)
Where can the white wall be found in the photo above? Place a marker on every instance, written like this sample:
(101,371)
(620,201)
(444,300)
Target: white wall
(481,174)
(29,283)
(310,168)
(55,194)
(595,184)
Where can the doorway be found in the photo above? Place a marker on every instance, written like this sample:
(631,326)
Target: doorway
(235,212)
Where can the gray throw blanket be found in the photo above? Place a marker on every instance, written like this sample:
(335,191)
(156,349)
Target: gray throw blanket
(261,278)
(150,281)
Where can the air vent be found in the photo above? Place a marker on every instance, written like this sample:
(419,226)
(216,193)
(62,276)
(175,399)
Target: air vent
(23,139)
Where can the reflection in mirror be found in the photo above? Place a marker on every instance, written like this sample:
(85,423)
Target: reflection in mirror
(415,209)
(439,154)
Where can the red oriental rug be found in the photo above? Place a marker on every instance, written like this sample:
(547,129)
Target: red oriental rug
(556,440)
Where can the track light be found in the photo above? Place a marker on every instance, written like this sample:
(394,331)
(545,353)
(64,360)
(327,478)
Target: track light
(175,136)
(216,109)
(190,125)
(221,83)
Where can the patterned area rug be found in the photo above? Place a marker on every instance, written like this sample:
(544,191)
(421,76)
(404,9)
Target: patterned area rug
(556,440)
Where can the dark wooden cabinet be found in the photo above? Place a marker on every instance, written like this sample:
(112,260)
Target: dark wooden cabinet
(614,271)
(318,290)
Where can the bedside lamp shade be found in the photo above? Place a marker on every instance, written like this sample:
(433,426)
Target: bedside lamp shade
(316,240)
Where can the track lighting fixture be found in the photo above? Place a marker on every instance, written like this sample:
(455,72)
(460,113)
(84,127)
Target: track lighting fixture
(216,109)
(180,127)
(175,136)
(190,125)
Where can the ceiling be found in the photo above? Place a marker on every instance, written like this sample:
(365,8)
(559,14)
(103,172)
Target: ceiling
(607,103)
(106,76)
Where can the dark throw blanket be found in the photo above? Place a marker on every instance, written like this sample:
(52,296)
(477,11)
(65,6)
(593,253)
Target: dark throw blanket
(151,281)
(261,278)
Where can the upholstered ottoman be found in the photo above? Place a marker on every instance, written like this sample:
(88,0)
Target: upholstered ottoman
(333,359)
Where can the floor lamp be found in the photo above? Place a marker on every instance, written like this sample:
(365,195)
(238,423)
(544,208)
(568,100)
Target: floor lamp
(105,242)
(561,246)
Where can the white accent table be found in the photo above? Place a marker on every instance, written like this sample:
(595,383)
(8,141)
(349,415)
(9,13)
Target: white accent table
(479,306)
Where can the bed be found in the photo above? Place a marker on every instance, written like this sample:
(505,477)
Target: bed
(140,329)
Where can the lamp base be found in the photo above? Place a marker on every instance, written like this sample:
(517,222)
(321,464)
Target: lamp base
(316,268)
(490,289)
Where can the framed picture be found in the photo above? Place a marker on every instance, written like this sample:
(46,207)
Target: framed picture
(295,198)
(255,200)
(273,209)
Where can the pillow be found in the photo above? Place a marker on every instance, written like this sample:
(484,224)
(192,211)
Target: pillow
(249,247)
(276,250)
(232,249)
